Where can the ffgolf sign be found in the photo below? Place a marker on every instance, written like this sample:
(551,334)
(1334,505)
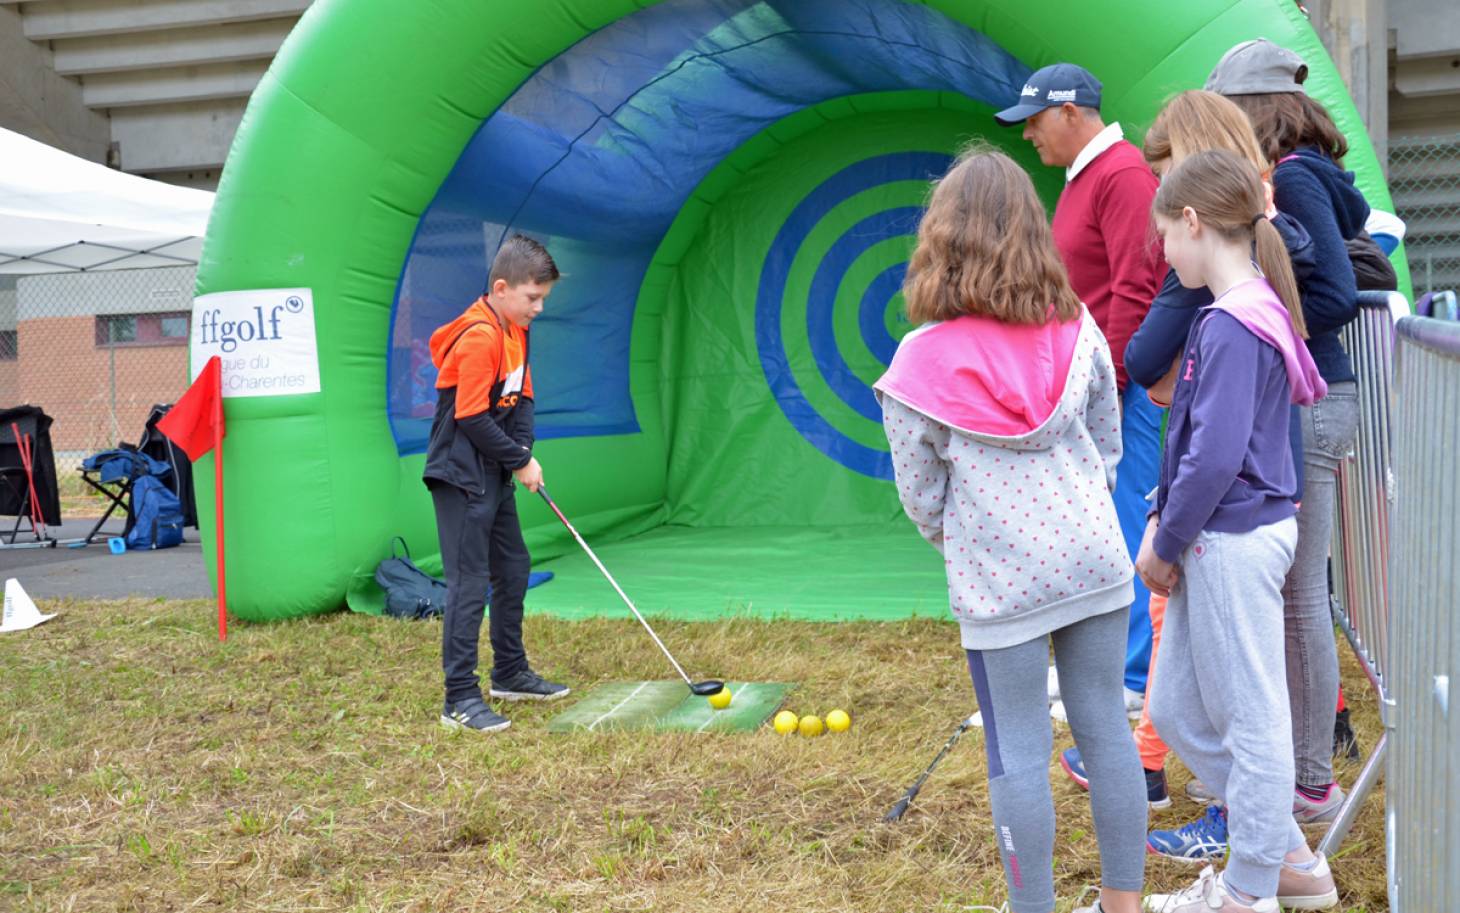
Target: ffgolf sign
(263,337)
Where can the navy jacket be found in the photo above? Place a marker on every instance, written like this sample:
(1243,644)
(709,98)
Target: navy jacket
(1155,345)
(1158,340)
(1309,187)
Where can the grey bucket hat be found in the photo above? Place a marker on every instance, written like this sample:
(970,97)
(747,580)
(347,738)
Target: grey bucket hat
(1257,67)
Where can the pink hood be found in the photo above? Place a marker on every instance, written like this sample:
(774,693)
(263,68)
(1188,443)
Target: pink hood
(1258,308)
(983,376)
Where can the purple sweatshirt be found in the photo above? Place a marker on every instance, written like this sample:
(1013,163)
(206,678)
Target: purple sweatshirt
(1227,465)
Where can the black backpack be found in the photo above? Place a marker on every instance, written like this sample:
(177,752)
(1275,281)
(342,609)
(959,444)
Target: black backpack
(1372,270)
(409,591)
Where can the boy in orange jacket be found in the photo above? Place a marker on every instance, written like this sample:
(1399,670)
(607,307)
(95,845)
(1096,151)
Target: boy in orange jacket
(481,440)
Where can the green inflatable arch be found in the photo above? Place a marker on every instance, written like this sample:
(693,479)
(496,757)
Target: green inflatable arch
(367,110)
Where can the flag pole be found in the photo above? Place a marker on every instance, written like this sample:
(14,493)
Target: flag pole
(218,512)
(200,405)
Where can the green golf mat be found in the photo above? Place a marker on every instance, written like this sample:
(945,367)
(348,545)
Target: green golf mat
(881,573)
(669,705)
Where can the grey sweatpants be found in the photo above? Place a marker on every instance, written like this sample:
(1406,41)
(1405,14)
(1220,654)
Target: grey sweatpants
(1012,698)
(1329,426)
(1223,701)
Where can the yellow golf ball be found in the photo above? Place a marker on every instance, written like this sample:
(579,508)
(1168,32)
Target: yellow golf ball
(810,725)
(720,699)
(786,722)
(838,721)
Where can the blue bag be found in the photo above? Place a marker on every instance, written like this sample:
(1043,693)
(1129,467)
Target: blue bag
(157,517)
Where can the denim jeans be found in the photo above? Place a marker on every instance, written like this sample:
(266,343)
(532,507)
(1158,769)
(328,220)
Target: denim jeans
(1329,427)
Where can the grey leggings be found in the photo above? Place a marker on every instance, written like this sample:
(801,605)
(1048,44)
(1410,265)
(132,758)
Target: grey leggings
(1312,654)
(1010,684)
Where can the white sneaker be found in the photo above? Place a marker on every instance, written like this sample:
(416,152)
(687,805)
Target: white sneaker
(1197,791)
(1310,889)
(1307,811)
(1052,684)
(1057,710)
(1135,702)
(1208,895)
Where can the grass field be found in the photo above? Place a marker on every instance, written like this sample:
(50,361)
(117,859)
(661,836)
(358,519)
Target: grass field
(300,767)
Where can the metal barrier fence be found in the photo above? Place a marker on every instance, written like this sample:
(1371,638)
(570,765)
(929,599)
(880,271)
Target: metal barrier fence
(95,350)
(1423,777)
(1361,548)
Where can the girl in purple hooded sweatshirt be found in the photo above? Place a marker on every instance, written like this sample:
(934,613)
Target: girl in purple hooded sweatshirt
(1002,414)
(1222,535)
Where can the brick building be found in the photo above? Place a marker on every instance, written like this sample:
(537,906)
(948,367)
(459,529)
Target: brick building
(96,350)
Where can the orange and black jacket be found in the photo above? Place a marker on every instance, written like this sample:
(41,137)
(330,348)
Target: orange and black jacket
(483,425)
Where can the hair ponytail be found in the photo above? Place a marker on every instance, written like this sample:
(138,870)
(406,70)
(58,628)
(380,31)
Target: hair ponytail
(1227,194)
(1277,267)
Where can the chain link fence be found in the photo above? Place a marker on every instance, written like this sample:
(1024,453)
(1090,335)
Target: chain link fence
(1424,178)
(95,350)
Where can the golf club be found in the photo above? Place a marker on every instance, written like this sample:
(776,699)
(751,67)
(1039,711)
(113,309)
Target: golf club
(704,688)
(897,810)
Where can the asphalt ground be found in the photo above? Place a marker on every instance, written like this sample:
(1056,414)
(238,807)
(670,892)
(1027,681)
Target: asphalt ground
(93,572)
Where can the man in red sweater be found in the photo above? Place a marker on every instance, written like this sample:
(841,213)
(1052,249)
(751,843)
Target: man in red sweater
(1102,223)
(1102,227)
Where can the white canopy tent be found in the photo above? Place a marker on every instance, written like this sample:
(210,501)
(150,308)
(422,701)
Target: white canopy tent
(60,213)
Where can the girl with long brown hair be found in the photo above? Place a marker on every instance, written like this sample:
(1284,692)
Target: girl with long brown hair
(1310,186)
(1195,121)
(1002,415)
(1223,532)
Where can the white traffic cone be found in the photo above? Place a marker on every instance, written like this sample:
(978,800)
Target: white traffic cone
(20,610)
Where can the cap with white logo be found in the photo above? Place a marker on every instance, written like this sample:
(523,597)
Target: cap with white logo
(1051,87)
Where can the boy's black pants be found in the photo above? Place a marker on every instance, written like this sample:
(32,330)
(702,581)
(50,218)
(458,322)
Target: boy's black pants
(481,547)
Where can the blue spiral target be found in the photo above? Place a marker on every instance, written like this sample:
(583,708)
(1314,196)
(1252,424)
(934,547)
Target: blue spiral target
(830,363)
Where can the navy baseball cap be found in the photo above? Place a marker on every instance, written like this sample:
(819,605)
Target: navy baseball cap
(1051,87)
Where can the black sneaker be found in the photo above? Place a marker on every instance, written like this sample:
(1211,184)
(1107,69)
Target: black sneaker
(527,686)
(1156,795)
(473,714)
(1345,743)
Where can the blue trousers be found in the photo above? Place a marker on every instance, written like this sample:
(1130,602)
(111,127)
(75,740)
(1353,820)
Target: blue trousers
(1135,477)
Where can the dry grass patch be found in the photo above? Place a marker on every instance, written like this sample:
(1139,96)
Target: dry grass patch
(299,767)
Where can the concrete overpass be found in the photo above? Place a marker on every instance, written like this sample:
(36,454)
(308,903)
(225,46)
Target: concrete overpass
(154,87)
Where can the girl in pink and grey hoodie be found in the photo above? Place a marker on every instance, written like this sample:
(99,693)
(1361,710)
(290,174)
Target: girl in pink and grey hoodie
(1002,415)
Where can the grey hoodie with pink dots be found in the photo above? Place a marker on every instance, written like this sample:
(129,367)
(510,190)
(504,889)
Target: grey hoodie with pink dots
(1004,444)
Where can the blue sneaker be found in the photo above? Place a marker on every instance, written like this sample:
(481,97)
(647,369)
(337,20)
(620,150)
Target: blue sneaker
(1074,767)
(1156,795)
(1202,840)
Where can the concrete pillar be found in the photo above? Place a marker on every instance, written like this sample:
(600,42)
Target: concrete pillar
(1356,34)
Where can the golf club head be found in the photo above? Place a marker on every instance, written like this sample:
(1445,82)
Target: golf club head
(899,809)
(707,688)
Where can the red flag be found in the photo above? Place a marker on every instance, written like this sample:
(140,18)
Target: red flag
(195,423)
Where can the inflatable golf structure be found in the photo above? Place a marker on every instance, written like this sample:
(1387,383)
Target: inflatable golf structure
(731,188)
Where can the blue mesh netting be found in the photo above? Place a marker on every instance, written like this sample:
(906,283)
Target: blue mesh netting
(597,151)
